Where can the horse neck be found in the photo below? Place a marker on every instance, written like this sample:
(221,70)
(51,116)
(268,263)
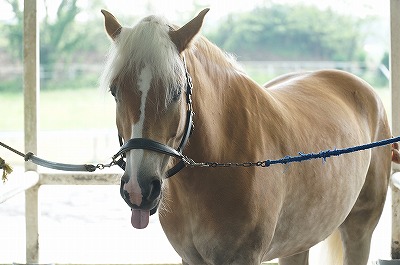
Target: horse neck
(225,100)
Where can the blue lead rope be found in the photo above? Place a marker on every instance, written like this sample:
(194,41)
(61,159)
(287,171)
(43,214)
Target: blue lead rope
(328,153)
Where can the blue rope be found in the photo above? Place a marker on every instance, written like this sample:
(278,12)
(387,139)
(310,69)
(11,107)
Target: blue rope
(328,153)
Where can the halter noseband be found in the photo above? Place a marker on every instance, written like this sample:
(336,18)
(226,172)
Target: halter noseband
(148,144)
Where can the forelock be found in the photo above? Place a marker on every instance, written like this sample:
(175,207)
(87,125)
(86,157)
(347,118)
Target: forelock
(147,43)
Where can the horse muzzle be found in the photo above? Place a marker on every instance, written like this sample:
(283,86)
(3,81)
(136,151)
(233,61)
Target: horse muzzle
(143,199)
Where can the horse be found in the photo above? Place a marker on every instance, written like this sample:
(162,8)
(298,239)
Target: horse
(161,74)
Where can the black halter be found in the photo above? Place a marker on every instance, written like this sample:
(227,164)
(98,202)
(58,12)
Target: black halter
(148,144)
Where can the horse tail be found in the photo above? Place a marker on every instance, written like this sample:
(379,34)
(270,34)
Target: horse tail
(329,251)
(395,153)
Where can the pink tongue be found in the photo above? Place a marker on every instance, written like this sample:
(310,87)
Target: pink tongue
(140,218)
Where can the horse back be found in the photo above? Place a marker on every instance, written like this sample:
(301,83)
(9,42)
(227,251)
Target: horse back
(329,90)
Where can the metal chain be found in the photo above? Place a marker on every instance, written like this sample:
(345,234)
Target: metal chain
(12,149)
(236,164)
(104,166)
(191,163)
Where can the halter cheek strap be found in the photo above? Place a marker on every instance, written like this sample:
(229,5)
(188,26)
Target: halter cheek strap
(148,144)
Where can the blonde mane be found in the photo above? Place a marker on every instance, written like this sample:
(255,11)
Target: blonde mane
(211,56)
(146,44)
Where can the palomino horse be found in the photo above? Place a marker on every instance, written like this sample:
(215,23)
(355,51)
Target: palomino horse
(243,215)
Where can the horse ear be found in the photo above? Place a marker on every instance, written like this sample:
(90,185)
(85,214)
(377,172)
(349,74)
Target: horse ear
(185,34)
(112,25)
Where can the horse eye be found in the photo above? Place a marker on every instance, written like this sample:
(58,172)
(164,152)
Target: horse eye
(113,90)
(176,94)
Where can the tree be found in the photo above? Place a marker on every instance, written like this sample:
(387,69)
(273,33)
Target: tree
(14,31)
(58,38)
(283,32)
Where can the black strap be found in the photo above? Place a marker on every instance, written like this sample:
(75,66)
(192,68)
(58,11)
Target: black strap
(59,166)
(50,164)
(188,130)
(175,169)
(143,143)
(148,144)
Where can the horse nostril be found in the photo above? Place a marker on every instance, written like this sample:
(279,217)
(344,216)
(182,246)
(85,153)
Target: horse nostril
(121,188)
(124,179)
(126,195)
(155,190)
(123,192)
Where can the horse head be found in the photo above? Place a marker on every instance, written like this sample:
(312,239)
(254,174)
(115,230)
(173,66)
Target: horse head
(147,76)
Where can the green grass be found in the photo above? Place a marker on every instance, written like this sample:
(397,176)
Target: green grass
(11,111)
(61,110)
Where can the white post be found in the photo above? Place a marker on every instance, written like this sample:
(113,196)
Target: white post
(395,88)
(31,96)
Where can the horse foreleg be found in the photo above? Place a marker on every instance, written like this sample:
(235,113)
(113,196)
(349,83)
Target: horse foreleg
(298,259)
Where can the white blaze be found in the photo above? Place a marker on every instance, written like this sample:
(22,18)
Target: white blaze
(144,83)
(134,157)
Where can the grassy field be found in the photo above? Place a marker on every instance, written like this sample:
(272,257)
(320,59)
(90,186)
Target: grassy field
(86,108)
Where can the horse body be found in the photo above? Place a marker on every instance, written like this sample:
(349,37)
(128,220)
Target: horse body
(258,210)
(248,215)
